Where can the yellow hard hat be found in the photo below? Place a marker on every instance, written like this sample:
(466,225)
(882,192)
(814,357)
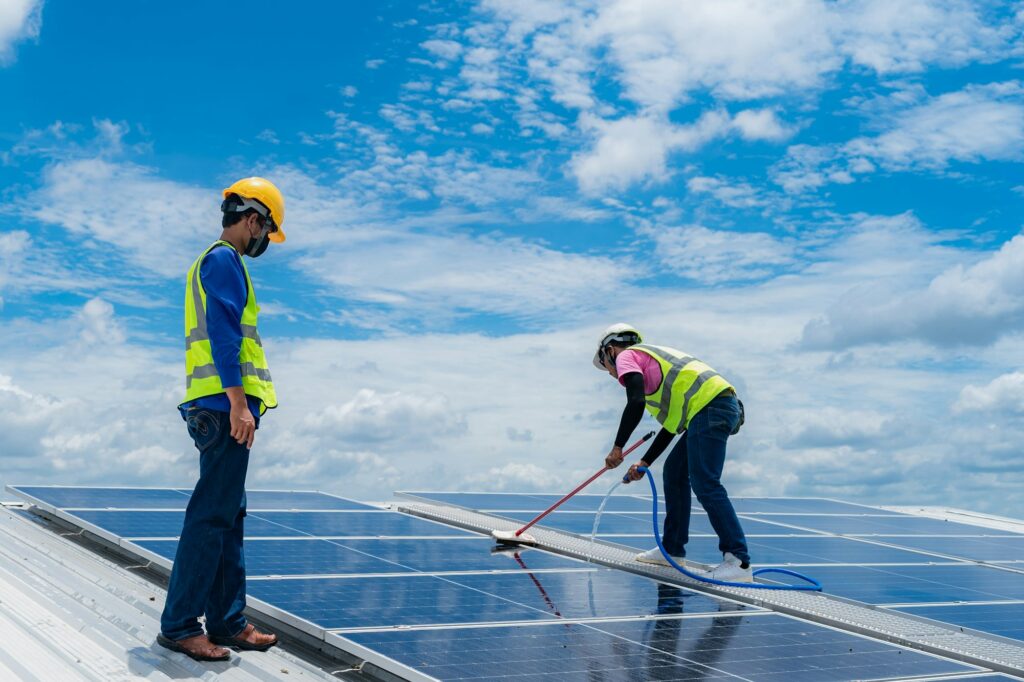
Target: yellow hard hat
(265,192)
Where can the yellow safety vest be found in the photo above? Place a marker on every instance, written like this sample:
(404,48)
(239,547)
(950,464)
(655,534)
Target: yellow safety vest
(687,386)
(201,377)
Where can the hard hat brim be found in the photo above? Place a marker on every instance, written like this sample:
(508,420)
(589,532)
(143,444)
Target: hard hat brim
(276,237)
(597,362)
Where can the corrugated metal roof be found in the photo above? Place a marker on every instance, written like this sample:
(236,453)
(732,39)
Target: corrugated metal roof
(67,613)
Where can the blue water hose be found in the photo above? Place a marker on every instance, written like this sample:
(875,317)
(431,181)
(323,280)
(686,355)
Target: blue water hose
(812,586)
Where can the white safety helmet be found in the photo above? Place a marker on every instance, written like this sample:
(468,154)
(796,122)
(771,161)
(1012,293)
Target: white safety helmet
(620,331)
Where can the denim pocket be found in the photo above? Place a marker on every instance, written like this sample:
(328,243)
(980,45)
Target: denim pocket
(203,427)
(724,418)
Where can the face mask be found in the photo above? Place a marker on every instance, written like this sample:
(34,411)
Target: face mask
(257,245)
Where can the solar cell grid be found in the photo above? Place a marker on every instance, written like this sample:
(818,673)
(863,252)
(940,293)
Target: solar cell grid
(603,593)
(504,502)
(103,498)
(388,602)
(987,549)
(635,503)
(165,498)
(337,523)
(920,583)
(294,557)
(1005,620)
(732,647)
(628,523)
(877,525)
(524,595)
(342,557)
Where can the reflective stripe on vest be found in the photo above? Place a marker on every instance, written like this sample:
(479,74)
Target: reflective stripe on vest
(687,386)
(201,376)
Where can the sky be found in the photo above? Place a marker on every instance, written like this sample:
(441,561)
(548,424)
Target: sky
(822,200)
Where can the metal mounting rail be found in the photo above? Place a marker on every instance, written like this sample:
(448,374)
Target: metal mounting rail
(969,646)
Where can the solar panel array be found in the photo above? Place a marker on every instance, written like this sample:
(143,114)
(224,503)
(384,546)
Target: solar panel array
(952,572)
(426,600)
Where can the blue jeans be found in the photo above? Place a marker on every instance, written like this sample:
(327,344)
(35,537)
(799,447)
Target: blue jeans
(208,576)
(696,462)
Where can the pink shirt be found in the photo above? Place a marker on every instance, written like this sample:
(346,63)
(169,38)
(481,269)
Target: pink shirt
(634,361)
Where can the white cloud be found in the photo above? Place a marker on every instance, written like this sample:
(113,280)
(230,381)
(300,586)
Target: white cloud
(98,323)
(113,203)
(371,417)
(976,124)
(431,275)
(971,303)
(269,136)
(636,148)
(736,195)
(761,124)
(715,256)
(1003,394)
(832,427)
(663,55)
(514,476)
(907,36)
(408,119)
(349,91)
(737,49)
(19,20)
(445,49)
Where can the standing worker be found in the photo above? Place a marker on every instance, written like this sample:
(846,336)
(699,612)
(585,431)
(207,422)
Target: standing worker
(227,389)
(685,396)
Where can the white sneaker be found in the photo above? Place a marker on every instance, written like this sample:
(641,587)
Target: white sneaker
(654,556)
(730,570)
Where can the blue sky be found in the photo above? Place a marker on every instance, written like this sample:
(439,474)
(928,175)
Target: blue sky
(820,199)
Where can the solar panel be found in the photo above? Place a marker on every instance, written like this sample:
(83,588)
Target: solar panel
(422,598)
(859,552)
(920,583)
(342,523)
(732,647)
(626,523)
(1005,620)
(875,524)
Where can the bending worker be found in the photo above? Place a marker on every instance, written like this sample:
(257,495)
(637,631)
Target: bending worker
(227,389)
(685,396)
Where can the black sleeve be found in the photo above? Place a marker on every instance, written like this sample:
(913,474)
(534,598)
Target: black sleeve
(634,411)
(661,441)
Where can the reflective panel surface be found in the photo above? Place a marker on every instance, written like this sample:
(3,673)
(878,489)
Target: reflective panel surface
(756,648)
(341,523)
(922,583)
(1006,620)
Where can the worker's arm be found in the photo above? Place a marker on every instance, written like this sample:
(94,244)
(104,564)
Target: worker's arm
(631,416)
(661,441)
(226,295)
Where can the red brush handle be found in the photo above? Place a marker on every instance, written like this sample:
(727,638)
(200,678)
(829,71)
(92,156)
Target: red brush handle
(583,485)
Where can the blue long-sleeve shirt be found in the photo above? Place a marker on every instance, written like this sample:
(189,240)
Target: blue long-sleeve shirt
(226,296)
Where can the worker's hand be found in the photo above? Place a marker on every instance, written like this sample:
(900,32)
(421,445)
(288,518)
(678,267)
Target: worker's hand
(614,458)
(635,475)
(243,426)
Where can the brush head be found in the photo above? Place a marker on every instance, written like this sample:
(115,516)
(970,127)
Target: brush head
(509,537)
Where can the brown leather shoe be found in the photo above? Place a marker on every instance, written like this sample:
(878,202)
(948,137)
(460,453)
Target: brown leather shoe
(249,639)
(199,648)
